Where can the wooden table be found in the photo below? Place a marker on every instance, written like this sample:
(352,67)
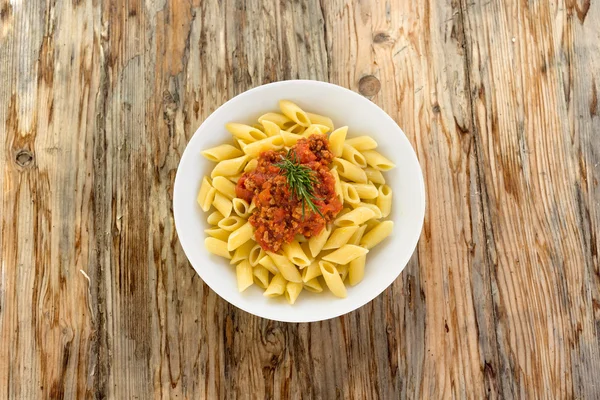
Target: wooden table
(499,99)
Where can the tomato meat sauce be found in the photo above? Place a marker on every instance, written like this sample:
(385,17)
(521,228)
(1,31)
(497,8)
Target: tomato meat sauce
(278,216)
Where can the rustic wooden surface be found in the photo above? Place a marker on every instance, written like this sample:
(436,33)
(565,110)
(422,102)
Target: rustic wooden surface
(499,98)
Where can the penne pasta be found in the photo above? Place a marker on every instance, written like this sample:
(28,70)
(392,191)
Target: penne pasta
(286,268)
(357,216)
(313,286)
(377,161)
(316,243)
(251,166)
(224,186)
(315,129)
(349,193)
(270,143)
(352,155)
(361,143)
(217,247)
(384,200)
(295,129)
(292,291)
(218,233)
(357,236)
(336,141)
(261,276)
(356,270)
(231,223)
(268,263)
(279,119)
(222,152)
(350,171)
(293,112)
(255,254)
(229,167)
(374,175)
(276,286)
(290,139)
(242,252)
(377,234)
(245,277)
(271,128)
(206,194)
(241,207)
(343,271)
(345,254)
(332,279)
(245,132)
(366,190)
(320,120)
(338,185)
(240,236)
(370,206)
(222,204)
(214,218)
(311,272)
(295,254)
(340,237)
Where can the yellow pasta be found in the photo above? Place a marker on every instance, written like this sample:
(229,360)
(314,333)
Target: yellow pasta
(222,152)
(293,112)
(270,143)
(313,286)
(356,270)
(242,252)
(374,175)
(276,286)
(337,254)
(245,277)
(361,143)
(377,161)
(377,234)
(320,120)
(245,132)
(292,291)
(336,141)
(311,272)
(287,269)
(206,194)
(295,254)
(332,278)
(224,186)
(218,233)
(316,243)
(346,253)
(349,193)
(261,276)
(240,236)
(217,247)
(231,223)
(214,218)
(352,155)
(241,207)
(229,167)
(276,118)
(350,171)
(355,217)
(340,237)
(384,200)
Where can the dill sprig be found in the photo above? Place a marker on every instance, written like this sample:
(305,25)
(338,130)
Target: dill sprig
(301,180)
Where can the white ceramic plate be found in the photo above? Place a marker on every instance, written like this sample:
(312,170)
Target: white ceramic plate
(344,107)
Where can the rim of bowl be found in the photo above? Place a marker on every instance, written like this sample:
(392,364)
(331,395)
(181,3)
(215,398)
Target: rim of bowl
(414,236)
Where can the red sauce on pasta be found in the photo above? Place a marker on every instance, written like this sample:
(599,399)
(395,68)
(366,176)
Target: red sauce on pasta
(278,215)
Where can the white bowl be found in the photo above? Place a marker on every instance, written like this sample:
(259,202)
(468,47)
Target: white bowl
(344,107)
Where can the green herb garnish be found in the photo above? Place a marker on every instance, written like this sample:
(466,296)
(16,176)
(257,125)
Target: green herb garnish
(301,180)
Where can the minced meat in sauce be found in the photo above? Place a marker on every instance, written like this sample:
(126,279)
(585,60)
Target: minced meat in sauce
(278,216)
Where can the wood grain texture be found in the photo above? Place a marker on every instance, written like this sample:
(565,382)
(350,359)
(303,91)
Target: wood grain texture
(99,99)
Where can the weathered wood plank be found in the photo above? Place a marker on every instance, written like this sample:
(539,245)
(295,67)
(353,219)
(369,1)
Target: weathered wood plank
(533,68)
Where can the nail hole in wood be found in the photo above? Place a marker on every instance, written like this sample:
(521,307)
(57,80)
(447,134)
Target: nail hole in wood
(24,158)
(369,85)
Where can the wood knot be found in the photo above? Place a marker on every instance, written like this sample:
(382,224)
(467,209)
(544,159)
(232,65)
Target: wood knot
(369,85)
(381,37)
(436,108)
(24,158)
